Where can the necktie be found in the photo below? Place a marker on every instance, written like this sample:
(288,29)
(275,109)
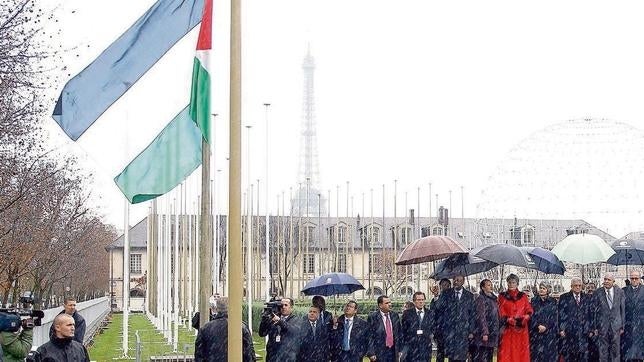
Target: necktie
(313,327)
(389,340)
(345,338)
(609,298)
(458,295)
(420,318)
(577,298)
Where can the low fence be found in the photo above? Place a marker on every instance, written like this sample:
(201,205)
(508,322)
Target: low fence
(94,311)
(158,349)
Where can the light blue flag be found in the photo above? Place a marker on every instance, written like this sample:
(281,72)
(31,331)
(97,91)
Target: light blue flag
(92,91)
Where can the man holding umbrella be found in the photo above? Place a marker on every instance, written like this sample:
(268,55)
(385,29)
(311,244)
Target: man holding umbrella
(634,325)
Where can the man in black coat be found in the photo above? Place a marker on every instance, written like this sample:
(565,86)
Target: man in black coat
(350,334)
(69,306)
(62,346)
(575,322)
(319,302)
(283,331)
(212,341)
(437,306)
(416,328)
(384,336)
(315,337)
(458,329)
(634,325)
(609,319)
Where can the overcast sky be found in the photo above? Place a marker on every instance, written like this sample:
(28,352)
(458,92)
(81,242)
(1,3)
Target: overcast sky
(418,91)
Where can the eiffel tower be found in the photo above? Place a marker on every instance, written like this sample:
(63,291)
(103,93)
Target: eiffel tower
(308,179)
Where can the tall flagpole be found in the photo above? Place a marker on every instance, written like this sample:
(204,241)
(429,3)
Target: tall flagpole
(235,278)
(267,264)
(249,239)
(126,277)
(205,242)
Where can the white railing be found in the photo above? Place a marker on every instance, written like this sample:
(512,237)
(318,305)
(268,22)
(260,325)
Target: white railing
(94,311)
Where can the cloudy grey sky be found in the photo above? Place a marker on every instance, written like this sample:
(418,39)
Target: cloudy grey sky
(418,91)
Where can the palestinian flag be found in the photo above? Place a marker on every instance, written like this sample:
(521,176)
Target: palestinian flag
(176,152)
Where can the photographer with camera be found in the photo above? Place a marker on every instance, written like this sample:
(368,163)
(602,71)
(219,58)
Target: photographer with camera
(79,322)
(282,329)
(16,344)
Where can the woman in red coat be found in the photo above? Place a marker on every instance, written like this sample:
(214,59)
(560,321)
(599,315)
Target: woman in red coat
(514,312)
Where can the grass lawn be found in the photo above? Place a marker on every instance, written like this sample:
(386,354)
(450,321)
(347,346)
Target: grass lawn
(108,346)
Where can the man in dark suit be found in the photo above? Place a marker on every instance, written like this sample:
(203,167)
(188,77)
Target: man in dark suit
(416,328)
(609,319)
(384,336)
(575,322)
(458,329)
(315,337)
(319,302)
(283,331)
(437,306)
(634,323)
(350,334)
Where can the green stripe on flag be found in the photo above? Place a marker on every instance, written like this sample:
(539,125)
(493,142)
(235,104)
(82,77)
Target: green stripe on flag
(200,98)
(173,155)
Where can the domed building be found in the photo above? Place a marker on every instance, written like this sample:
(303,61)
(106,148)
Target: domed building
(588,169)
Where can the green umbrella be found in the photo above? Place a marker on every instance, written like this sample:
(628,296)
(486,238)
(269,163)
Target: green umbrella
(583,249)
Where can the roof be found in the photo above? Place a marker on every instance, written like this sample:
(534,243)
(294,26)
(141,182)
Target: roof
(138,236)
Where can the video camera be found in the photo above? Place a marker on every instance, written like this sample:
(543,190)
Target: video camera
(11,319)
(273,307)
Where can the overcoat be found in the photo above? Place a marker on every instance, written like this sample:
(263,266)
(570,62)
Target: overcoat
(487,321)
(458,323)
(543,346)
(416,335)
(514,313)
(634,324)
(575,320)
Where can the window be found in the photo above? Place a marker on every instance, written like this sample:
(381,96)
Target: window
(405,235)
(342,263)
(375,235)
(310,234)
(437,230)
(135,263)
(425,231)
(342,234)
(527,235)
(375,263)
(309,263)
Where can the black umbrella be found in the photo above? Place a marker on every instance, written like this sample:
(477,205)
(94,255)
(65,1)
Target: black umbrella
(332,284)
(545,261)
(464,264)
(627,252)
(506,254)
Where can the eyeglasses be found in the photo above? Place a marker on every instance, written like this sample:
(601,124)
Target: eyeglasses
(635,278)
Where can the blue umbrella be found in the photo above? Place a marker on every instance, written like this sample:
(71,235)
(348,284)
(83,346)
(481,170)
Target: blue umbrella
(545,261)
(461,264)
(627,252)
(332,284)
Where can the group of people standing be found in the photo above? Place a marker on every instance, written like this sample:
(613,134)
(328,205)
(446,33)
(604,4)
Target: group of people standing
(606,324)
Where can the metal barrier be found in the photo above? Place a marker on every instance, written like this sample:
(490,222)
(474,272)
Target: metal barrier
(94,311)
(183,354)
